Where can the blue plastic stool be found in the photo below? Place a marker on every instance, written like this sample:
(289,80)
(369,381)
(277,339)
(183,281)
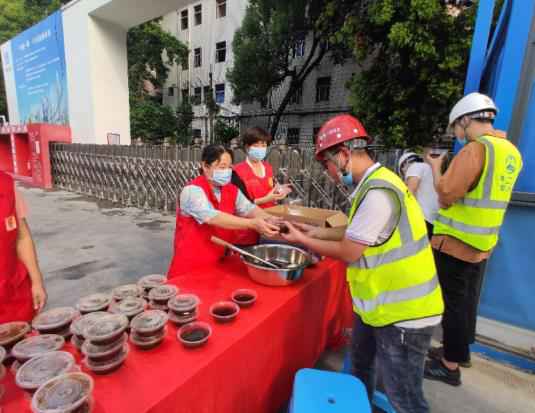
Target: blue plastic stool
(379,399)
(318,391)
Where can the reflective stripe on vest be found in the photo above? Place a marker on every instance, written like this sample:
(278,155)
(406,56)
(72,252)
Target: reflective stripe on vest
(396,280)
(476,219)
(405,294)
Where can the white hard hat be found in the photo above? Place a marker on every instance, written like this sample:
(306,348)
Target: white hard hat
(473,103)
(405,157)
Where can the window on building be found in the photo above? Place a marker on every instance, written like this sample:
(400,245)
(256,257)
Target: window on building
(323,89)
(197,95)
(196,133)
(220,52)
(293,136)
(185,95)
(299,48)
(221,8)
(197,14)
(220,93)
(297,97)
(197,57)
(171,91)
(205,93)
(184,19)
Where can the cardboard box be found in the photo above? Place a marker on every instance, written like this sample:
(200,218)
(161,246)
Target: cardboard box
(334,222)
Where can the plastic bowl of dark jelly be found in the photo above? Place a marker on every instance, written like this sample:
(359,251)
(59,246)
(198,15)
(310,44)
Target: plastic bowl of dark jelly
(244,297)
(224,311)
(96,353)
(55,321)
(194,334)
(108,366)
(65,393)
(149,323)
(13,332)
(147,343)
(107,329)
(162,294)
(36,345)
(183,305)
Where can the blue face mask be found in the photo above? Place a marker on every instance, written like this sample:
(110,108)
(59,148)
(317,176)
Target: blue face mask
(460,141)
(347,180)
(257,153)
(221,177)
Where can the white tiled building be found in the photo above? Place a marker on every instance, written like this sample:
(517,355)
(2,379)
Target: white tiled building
(207,27)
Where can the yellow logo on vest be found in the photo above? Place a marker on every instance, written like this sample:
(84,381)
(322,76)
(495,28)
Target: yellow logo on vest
(11,223)
(508,179)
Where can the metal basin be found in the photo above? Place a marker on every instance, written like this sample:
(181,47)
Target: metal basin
(292,260)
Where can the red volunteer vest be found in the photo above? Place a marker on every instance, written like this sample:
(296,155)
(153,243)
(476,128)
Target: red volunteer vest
(256,188)
(16,303)
(193,248)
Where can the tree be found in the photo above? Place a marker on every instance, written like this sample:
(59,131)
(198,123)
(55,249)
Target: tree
(184,113)
(413,56)
(265,45)
(224,132)
(151,121)
(151,51)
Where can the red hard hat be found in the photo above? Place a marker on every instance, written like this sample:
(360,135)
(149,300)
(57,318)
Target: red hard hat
(339,129)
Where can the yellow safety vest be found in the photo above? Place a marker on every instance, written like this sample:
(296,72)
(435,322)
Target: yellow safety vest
(476,219)
(397,280)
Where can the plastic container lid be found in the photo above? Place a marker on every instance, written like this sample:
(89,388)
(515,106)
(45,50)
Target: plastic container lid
(37,345)
(163,292)
(145,342)
(106,327)
(149,321)
(80,324)
(108,365)
(152,280)
(38,370)
(63,394)
(94,302)
(77,342)
(130,306)
(127,290)
(54,318)
(98,351)
(12,332)
(192,316)
(183,302)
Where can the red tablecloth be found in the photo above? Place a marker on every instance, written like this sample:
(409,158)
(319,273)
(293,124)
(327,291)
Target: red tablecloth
(247,366)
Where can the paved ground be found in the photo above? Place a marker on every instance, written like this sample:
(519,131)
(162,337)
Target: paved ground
(85,246)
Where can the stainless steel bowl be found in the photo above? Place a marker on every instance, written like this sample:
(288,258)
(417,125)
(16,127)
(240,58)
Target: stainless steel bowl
(295,261)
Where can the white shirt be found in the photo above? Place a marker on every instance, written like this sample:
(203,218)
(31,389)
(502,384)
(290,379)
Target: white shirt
(373,223)
(426,194)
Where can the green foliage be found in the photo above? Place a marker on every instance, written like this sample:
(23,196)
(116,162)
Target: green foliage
(264,47)
(224,132)
(151,121)
(151,51)
(414,56)
(184,113)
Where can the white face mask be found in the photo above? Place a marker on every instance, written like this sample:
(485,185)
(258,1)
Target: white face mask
(222,177)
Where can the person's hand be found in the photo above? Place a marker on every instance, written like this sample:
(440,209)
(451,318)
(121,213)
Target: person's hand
(263,227)
(274,195)
(435,163)
(275,220)
(310,230)
(293,234)
(39,296)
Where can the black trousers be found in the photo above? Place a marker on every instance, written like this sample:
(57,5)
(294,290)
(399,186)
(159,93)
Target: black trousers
(461,288)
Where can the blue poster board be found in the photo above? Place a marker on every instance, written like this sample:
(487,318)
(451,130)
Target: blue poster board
(38,56)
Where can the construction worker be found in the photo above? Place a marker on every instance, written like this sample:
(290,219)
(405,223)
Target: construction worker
(474,193)
(22,292)
(391,271)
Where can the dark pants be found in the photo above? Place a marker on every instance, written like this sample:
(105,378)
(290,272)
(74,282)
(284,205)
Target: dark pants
(399,354)
(461,287)
(429,229)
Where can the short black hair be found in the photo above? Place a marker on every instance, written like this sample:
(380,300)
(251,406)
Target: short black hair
(213,153)
(254,135)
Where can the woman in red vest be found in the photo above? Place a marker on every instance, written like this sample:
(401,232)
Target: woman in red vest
(21,283)
(254,177)
(210,205)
